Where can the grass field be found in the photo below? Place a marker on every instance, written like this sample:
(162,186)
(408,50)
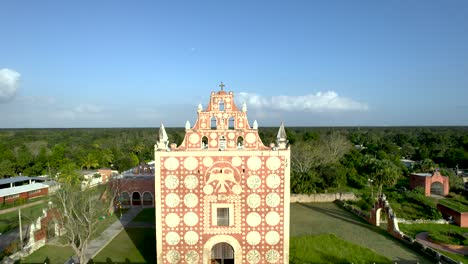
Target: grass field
(146,215)
(55,254)
(328,248)
(138,245)
(9,221)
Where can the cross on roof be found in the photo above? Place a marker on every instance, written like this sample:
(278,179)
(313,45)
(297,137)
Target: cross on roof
(222,86)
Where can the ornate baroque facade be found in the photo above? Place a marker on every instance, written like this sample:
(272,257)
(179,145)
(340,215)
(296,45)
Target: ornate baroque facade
(222,196)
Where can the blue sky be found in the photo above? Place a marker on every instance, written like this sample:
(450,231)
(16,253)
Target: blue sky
(307,63)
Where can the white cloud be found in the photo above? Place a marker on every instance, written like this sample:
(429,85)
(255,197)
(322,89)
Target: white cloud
(318,102)
(9,80)
(87,108)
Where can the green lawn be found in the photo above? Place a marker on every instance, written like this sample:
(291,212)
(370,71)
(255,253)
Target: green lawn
(9,221)
(138,245)
(457,203)
(146,215)
(328,248)
(55,254)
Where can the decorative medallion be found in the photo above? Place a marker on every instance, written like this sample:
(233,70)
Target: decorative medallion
(171,182)
(172,220)
(272,256)
(171,163)
(172,200)
(254,182)
(190,200)
(273,181)
(194,138)
(273,163)
(254,219)
(250,138)
(172,238)
(191,181)
(273,199)
(191,238)
(208,189)
(253,238)
(213,143)
(190,218)
(191,257)
(253,256)
(236,161)
(173,257)
(207,161)
(254,163)
(190,163)
(272,218)
(222,177)
(213,135)
(203,125)
(272,238)
(231,135)
(253,200)
(241,125)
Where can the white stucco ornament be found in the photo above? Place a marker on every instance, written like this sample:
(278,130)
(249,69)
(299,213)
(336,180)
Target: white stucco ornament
(173,256)
(171,182)
(172,238)
(190,218)
(273,181)
(172,200)
(254,219)
(191,182)
(207,161)
(172,220)
(253,256)
(190,200)
(272,218)
(171,163)
(273,199)
(253,200)
(273,163)
(194,138)
(253,238)
(254,182)
(272,238)
(250,138)
(272,256)
(190,163)
(254,163)
(236,161)
(191,257)
(191,238)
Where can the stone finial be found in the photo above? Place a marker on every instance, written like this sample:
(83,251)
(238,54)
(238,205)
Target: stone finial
(255,124)
(187,125)
(244,107)
(282,138)
(200,107)
(163,141)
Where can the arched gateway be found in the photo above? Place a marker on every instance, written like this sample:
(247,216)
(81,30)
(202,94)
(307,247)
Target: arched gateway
(222,249)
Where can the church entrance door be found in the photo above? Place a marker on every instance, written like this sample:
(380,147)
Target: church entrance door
(222,253)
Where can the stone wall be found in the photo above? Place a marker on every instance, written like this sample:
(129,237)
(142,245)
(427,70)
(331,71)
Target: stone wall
(322,197)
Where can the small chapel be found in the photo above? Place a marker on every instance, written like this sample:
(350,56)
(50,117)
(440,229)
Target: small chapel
(222,196)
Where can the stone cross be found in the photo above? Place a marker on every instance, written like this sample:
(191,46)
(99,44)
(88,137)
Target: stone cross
(222,86)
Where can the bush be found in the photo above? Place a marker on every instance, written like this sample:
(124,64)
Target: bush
(448,237)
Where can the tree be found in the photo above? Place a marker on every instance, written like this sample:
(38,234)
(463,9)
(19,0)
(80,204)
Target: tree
(384,172)
(6,169)
(78,213)
(89,161)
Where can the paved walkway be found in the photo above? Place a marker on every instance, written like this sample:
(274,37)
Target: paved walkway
(110,233)
(319,218)
(423,238)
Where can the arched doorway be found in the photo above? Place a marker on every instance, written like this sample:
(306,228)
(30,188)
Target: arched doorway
(136,199)
(147,198)
(437,188)
(125,199)
(222,253)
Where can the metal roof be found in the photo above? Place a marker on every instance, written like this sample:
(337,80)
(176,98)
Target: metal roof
(20,179)
(24,188)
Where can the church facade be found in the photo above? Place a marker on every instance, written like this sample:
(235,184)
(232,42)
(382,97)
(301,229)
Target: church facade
(222,196)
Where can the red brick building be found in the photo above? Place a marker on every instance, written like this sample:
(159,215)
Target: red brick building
(136,186)
(433,183)
(222,196)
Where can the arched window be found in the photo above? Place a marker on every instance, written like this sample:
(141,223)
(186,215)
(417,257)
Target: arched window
(125,199)
(204,144)
(147,198)
(221,105)
(231,122)
(136,198)
(240,142)
(213,122)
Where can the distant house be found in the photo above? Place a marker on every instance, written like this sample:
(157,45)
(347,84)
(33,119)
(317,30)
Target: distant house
(23,187)
(433,183)
(95,177)
(408,163)
(136,186)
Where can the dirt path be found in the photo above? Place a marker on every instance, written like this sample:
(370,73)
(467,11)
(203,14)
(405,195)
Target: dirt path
(22,206)
(319,218)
